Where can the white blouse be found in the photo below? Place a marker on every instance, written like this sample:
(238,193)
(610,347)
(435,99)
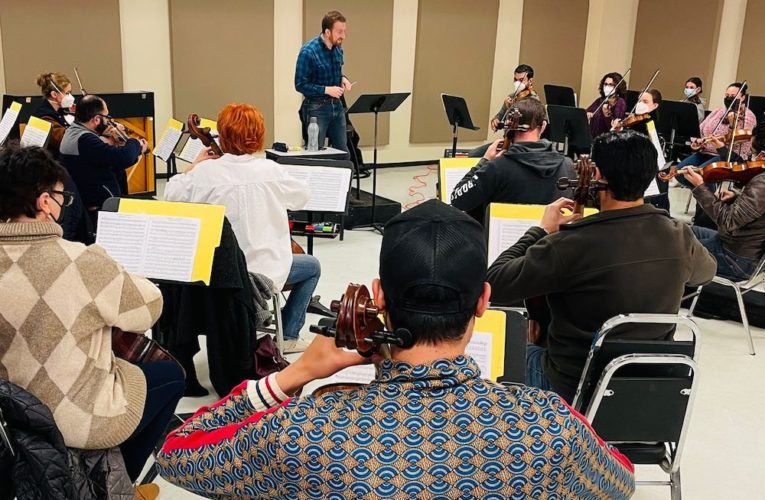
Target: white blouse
(257,194)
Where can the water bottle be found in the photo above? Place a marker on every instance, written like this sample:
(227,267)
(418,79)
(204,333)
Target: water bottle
(313,135)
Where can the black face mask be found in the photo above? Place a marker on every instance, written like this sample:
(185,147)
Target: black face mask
(101,127)
(728,101)
(60,219)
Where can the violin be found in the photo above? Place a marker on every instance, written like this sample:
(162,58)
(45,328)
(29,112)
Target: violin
(721,171)
(511,124)
(739,135)
(523,94)
(204,135)
(633,119)
(358,327)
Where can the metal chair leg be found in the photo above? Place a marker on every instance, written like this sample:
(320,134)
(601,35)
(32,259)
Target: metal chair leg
(674,485)
(688,203)
(744,318)
(278,325)
(695,300)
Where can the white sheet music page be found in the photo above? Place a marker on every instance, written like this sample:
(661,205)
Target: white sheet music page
(191,149)
(329,186)
(149,245)
(35,133)
(9,119)
(169,140)
(479,349)
(504,233)
(453,176)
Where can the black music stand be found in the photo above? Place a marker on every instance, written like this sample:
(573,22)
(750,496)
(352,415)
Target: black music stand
(559,95)
(631,99)
(757,106)
(377,103)
(569,126)
(678,122)
(458,115)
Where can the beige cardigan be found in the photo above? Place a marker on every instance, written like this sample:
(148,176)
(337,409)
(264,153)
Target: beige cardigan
(58,303)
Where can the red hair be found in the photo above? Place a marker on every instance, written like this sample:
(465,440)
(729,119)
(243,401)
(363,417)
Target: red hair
(241,128)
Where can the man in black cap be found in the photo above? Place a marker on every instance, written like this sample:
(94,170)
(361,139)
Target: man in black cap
(428,425)
(629,258)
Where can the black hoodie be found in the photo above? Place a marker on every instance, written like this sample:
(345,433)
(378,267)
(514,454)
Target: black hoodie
(527,173)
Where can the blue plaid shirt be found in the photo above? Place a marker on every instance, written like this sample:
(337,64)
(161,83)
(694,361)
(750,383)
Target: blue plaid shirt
(318,67)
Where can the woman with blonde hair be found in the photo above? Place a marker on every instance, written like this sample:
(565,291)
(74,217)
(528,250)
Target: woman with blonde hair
(57,106)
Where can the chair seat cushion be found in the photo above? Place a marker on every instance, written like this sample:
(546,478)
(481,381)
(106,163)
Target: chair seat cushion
(643,453)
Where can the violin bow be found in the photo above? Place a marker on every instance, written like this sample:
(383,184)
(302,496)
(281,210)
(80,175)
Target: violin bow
(79,82)
(605,98)
(645,89)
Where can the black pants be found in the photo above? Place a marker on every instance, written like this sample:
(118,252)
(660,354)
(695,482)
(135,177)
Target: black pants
(164,388)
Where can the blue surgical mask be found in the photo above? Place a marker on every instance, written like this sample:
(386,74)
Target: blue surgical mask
(689,92)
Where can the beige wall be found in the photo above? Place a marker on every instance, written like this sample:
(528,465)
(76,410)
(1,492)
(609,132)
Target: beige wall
(141,56)
(43,36)
(549,26)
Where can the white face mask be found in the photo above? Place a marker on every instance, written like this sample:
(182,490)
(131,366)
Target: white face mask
(519,86)
(642,108)
(607,89)
(67,101)
(689,92)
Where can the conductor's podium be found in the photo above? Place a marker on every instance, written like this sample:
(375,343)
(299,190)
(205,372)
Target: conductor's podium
(135,110)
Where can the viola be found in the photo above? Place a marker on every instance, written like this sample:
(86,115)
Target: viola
(721,171)
(740,135)
(511,124)
(585,185)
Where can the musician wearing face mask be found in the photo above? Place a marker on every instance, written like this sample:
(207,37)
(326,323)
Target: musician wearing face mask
(738,244)
(646,110)
(96,165)
(56,107)
(527,172)
(606,264)
(726,119)
(692,93)
(523,81)
(612,89)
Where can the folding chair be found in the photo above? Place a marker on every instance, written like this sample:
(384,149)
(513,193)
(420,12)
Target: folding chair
(638,394)
(741,288)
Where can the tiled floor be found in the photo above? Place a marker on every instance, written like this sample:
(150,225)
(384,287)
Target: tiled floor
(725,443)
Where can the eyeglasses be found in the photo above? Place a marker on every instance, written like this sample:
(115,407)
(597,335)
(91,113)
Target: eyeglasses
(68,197)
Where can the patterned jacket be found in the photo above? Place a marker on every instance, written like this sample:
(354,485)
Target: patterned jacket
(425,431)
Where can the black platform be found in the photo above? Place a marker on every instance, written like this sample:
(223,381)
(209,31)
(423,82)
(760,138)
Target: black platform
(359,211)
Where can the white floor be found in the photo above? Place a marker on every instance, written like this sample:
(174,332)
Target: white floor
(725,443)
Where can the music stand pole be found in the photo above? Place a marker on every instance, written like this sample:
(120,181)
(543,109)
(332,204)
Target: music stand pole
(454,138)
(377,227)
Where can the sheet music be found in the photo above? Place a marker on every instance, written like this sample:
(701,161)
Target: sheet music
(149,245)
(452,176)
(35,133)
(169,140)
(302,153)
(9,119)
(504,233)
(480,349)
(191,149)
(329,186)
(362,374)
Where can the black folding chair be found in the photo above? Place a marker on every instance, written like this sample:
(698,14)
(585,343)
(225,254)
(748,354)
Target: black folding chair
(638,394)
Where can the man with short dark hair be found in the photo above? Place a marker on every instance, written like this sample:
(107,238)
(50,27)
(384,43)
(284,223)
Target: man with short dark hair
(93,160)
(629,258)
(527,172)
(319,77)
(428,425)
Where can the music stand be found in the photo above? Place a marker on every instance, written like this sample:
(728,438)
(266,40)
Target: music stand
(377,103)
(631,99)
(559,95)
(757,106)
(678,122)
(569,126)
(458,115)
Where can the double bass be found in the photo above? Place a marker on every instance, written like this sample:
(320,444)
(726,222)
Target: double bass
(204,135)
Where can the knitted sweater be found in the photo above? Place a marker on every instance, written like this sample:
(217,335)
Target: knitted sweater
(427,431)
(58,303)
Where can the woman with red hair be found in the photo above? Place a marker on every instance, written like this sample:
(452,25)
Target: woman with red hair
(257,194)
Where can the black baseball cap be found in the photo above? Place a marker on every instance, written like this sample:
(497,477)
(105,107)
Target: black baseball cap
(433,244)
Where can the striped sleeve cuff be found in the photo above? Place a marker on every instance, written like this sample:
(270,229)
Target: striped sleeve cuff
(265,393)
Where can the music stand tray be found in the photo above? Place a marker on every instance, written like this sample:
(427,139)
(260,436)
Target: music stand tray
(377,103)
(458,115)
(559,95)
(569,126)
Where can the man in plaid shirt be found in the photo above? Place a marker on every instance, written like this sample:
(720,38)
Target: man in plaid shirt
(319,77)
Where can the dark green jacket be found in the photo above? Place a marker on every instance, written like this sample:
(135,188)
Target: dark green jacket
(634,260)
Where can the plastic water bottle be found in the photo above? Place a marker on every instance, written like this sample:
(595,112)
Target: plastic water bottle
(313,135)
